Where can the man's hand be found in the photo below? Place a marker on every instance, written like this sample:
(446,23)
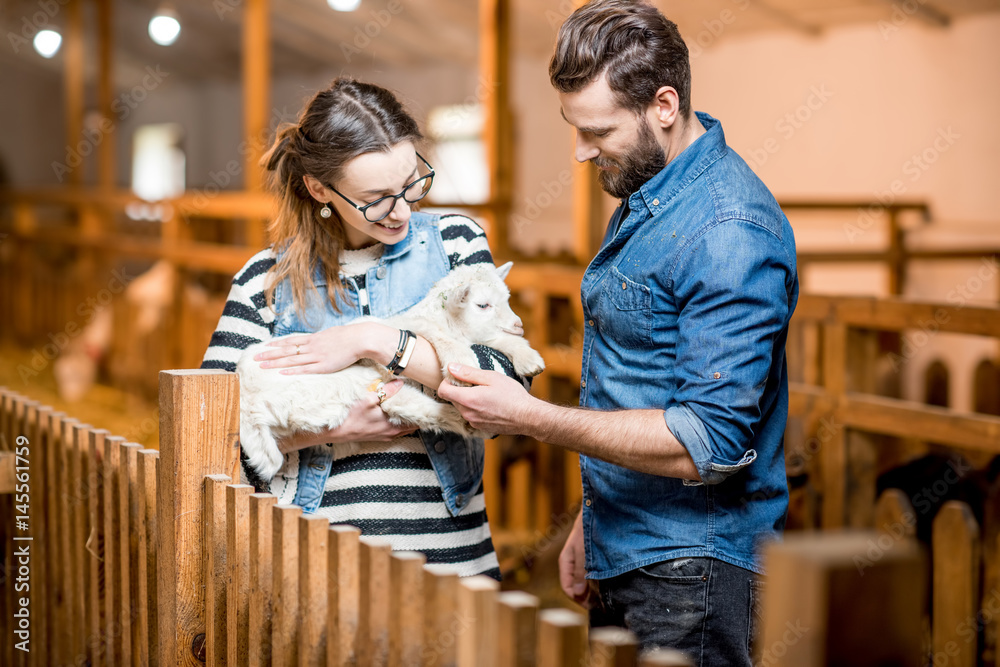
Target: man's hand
(572,573)
(495,404)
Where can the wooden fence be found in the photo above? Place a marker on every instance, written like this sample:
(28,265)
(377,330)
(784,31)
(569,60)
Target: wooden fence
(874,598)
(118,555)
(134,556)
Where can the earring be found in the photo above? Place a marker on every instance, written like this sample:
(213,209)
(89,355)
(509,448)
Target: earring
(325,212)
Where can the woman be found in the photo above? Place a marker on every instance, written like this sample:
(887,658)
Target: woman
(347,244)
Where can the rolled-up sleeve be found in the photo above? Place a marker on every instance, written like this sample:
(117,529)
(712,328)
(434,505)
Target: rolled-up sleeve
(732,289)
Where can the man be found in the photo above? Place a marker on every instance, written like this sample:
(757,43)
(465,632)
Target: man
(683,383)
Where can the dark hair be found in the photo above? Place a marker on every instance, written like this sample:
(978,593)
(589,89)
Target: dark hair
(338,124)
(639,48)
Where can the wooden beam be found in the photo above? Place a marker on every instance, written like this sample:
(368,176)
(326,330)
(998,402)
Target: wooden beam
(106,176)
(494,90)
(907,419)
(588,220)
(73,59)
(256,87)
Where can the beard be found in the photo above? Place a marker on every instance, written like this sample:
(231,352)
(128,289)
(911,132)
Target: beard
(639,163)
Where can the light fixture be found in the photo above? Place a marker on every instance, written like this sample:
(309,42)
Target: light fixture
(47,42)
(344,5)
(164,26)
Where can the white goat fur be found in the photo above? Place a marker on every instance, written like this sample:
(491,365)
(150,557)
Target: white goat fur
(468,306)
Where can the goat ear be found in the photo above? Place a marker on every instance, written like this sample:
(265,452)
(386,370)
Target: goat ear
(462,294)
(503,270)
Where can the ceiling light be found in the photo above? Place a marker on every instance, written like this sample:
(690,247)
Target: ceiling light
(344,5)
(164,27)
(47,42)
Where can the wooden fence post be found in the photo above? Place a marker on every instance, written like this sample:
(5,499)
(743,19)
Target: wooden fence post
(664,658)
(199,435)
(373,611)
(149,460)
(261,574)
(477,611)
(613,647)
(406,609)
(844,598)
(216,591)
(314,569)
(562,638)
(894,515)
(833,447)
(518,629)
(956,559)
(343,595)
(442,625)
(285,586)
(238,549)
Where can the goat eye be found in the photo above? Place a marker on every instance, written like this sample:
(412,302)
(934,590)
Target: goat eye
(484,306)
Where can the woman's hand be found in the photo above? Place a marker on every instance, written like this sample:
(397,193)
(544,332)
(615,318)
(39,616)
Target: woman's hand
(366,422)
(327,351)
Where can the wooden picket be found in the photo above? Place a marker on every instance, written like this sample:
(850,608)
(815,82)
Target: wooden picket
(159,559)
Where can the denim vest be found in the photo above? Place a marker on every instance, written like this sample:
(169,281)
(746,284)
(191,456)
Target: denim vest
(403,276)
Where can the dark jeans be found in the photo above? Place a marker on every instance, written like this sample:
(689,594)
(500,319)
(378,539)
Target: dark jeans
(704,607)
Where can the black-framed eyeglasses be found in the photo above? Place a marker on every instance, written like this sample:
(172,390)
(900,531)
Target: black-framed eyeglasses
(382,207)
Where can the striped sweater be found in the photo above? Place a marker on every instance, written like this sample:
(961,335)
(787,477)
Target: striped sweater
(388,489)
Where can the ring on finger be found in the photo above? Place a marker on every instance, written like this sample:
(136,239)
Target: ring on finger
(297,349)
(380,392)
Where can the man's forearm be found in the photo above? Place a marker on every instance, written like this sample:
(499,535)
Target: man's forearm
(635,439)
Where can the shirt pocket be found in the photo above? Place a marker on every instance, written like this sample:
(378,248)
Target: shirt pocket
(626,311)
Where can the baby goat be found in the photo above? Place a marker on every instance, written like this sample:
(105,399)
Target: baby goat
(469,306)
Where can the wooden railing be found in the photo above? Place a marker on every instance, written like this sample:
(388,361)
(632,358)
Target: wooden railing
(119,555)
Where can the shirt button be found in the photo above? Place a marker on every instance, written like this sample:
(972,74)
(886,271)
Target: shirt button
(717,375)
(590,322)
(380,272)
(583,383)
(624,286)
(460,500)
(588,502)
(439,447)
(656,202)
(317,466)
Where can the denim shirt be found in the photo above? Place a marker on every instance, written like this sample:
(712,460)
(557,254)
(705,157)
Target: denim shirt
(403,276)
(687,306)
